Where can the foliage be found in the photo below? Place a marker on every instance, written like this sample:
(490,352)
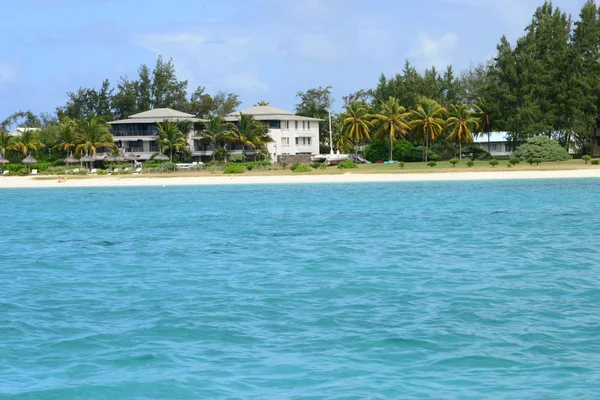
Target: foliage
(315,103)
(247,131)
(237,158)
(401,164)
(220,154)
(93,134)
(454,161)
(470,163)
(586,158)
(515,160)
(356,124)
(544,148)
(302,168)
(509,165)
(461,124)
(427,121)
(432,164)
(530,161)
(391,121)
(595,162)
(168,166)
(347,164)
(475,153)
(234,169)
(171,139)
(538,161)
(493,163)
(26,143)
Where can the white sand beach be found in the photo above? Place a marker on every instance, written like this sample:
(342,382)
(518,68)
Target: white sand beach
(124,181)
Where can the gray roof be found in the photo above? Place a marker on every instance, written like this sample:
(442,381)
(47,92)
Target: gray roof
(268,113)
(157,115)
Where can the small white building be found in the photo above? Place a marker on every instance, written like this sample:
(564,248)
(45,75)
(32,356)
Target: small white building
(20,130)
(497,145)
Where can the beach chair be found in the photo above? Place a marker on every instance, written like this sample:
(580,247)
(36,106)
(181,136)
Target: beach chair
(76,170)
(94,171)
(34,172)
(127,169)
(138,170)
(5,173)
(117,170)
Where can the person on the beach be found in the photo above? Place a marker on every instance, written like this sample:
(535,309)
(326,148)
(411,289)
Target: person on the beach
(59,179)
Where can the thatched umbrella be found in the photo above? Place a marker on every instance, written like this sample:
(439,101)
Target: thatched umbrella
(70,160)
(109,158)
(161,157)
(87,158)
(29,160)
(120,158)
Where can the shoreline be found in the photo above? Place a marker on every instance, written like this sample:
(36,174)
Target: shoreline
(22,182)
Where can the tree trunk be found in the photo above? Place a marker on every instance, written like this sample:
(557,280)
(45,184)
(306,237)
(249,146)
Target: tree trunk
(391,147)
(490,144)
(426,145)
(460,151)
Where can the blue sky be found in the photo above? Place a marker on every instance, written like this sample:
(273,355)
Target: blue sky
(260,49)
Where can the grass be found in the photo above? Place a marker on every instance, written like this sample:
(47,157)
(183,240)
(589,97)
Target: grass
(409,168)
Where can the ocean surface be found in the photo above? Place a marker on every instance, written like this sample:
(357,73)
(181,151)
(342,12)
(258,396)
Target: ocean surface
(432,290)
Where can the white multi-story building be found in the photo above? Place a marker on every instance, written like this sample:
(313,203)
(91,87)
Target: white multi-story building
(291,134)
(138,134)
(496,145)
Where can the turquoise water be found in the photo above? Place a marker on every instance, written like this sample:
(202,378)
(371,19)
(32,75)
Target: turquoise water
(452,290)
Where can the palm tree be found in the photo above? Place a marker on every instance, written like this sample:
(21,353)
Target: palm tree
(66,136)
(185,127)
(93,134)
(216,131)
(26,143)
(356,123)
(461,124)
(6,143)
(391,121)
(249,132)
(262,103)
(487,123)
(171,139)
(427,120)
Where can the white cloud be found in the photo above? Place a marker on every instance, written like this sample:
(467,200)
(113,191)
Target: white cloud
(437,52)
(246,81)
(8,72)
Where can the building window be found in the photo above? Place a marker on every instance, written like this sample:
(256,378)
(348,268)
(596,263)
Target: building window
(274,124)
(308,125)
(304,125)
(308,141)
(285,141)
(297,141)
(154,147)
(296,125)
(287,124)
(494,147)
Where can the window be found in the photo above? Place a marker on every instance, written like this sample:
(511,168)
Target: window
(507,148)
(287,124)
(494,147)
(154,147)
(308,125)
(285,141)
(308,141)
(297,141)
(296,125)
(274,124)
(304,125)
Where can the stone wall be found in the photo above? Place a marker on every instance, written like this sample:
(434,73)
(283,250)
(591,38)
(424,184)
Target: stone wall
(291,159)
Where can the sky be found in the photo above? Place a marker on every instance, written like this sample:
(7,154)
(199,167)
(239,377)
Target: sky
(260,49)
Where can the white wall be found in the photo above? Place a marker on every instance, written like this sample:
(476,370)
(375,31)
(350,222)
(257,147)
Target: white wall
(302,133)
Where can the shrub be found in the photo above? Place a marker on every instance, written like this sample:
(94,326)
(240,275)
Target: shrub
(434,157)
(476,153)
(538,161)
(250,167)
(234,169)
(432,164)
(544,148)
(302,168)
(221,154)
(509,165)
(515,160)
(347,164)
(493,163)
(595,162)
(454,161)
(401,147)
(316,165)
(586,158)
(168,167)
(56,171)
(323,166)
(102,172)
(294,166)
(470,163)
(401,164)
